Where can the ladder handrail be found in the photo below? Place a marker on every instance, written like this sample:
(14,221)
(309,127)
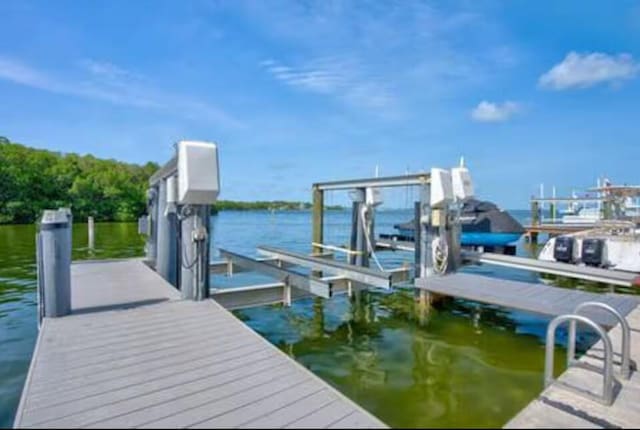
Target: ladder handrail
(625,365)
(608,383)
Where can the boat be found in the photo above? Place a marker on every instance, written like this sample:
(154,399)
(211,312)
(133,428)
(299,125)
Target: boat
(582,215)
(611,245)
(483,224)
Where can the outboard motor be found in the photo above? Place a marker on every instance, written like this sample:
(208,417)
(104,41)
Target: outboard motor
(563,249)
(593,252)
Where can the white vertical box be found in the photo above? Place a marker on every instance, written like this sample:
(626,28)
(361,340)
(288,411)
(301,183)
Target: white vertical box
(198,173)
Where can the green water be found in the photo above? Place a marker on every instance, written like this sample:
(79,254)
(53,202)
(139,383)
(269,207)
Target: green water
(463,364)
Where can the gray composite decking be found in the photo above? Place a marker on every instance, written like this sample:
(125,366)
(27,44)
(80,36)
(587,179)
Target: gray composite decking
(133,354)
(557,407)
(530,297)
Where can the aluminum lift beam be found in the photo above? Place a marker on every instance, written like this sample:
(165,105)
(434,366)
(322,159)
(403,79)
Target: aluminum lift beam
(595,274)
(364,275)
(384,182)
(287,276)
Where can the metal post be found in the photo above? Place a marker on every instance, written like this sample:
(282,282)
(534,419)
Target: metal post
(318,218)
(454,234)
(535,213)
(152,207)
(54,265)
(91,233)
(422,240)
(417,239)
(194,252)
(426,259)
(362,258)
(353,241)
(166,237)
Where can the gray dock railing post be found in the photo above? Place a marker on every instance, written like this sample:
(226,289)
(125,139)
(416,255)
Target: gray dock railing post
(54,263)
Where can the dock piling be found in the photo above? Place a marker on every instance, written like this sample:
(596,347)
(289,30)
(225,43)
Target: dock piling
(317,218)
(54,263)
(91,232)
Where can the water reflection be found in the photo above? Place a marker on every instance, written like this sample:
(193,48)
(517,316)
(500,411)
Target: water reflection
(454,365)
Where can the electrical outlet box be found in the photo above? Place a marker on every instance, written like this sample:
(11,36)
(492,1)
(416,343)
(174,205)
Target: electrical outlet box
(437,218)
(198,173)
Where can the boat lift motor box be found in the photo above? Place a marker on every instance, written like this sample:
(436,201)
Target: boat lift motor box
(563,249)
(441,188)
(373,196)
(593,252)
(198,173)
(461,181)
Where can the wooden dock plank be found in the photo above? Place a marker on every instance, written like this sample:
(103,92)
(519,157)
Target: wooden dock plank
(133,354)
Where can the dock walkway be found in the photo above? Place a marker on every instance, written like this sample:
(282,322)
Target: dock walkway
(558,408)
(530,297)
(133,354)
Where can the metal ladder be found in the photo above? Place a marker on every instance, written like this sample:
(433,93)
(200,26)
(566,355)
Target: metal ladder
(608,383)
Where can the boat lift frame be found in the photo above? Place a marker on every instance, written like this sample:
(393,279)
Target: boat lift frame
(326,277)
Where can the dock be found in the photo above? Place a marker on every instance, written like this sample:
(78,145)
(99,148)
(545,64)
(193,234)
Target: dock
(134,354)
(554,229)
(558,408)
(529,297)
(142,343)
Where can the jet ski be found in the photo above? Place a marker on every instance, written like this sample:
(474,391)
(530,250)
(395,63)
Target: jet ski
(483,224)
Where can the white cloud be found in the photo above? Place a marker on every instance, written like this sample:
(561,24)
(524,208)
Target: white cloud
(494,112)
(109,83)
(347,80)
(585,70)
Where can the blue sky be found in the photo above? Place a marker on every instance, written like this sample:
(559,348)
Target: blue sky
(297,92)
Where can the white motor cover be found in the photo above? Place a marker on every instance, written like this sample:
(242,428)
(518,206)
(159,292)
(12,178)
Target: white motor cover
(198,173)
(462,185)
(441,188)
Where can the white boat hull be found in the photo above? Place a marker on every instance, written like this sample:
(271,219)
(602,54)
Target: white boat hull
(620,253)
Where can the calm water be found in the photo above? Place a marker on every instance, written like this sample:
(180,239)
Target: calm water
(464,364)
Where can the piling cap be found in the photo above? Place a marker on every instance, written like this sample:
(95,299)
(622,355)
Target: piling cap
(52,219)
